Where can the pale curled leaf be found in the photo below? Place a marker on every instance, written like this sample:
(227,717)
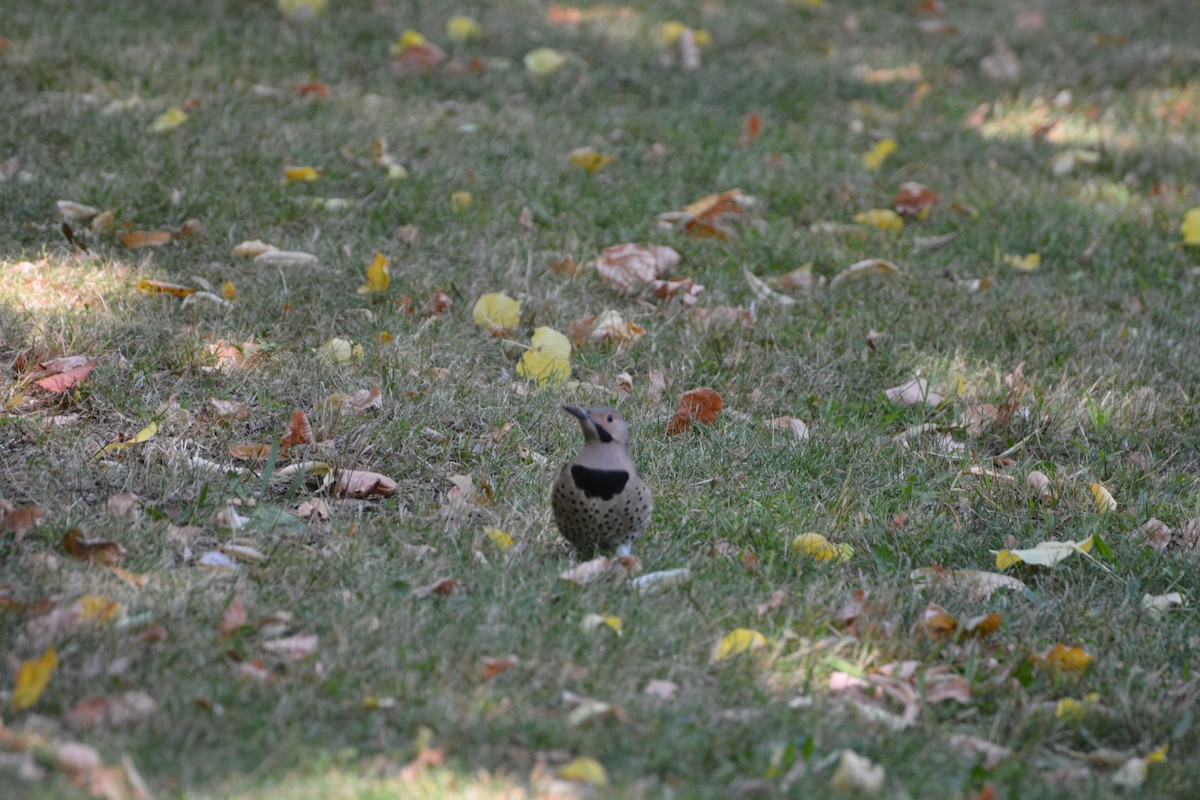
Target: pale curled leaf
(286,258)
(861,269)
(857,774)
(764,293)
(655,582)
(363,483)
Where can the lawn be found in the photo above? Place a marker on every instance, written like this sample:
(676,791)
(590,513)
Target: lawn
(986,206)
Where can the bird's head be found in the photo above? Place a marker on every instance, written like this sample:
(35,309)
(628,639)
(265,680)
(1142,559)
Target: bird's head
(602,424)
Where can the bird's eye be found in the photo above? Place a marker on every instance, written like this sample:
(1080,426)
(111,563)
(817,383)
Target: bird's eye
(610,417)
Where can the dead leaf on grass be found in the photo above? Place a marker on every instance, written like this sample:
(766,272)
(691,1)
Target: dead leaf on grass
(442,587)
(95,551)
(701,404)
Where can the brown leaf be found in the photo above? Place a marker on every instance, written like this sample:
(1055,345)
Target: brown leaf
(442,587)
(145,238)
(95,551)
(564,266)
(64,380)
(751,126)
(440,303)
(316,507)
(629,267)
(232,618)
(20,521)
(123,709)
(299,431)
(937,622)
(250,452)
(702,405)
(126,506)
(362,400)
(363,483)
(147,286)
(914,199)
(492,667)
(686,289)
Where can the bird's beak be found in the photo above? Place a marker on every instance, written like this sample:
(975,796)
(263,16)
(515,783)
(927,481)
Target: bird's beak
(577,412)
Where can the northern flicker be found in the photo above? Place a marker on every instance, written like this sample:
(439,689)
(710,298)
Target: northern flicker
(599,501)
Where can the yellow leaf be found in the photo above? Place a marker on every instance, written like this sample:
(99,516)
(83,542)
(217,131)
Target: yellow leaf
(496,311)
(670,32)
(98,608)
(460,201)
(587,158)
(1105,502)
(883,218)
(148,286)
(341,351)
(462,29)
(1069,710)
(584,770)
(378,275)
(1158,754)
(229,291)
(737,642)
(408,39)
(820,548)
(1028,263)
(32,679)
(879,154)
(1043,554)
(499,538)
(395,172)
(301,10)
(170,119)
(547,361)
(1190,228)
(144,435)
(299,174)
(544,61)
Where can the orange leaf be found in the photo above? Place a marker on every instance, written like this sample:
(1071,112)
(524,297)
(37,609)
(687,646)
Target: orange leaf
(65,380)
(937,622)
(145,238)
(701,405)
(1067,659)
(981,627)
(161,287)
(441,587)
(314,89)
(299,431)
(250,452)
(441,301)
(418,58)
(494,666)
(750,129)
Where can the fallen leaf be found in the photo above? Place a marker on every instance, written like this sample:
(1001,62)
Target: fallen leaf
(442,587)
(686,289)
(801,279)
(764,293)
(882,218)
(363,483)
(232,618)
(857,774)
(95,551)
(584,770)
(547,361)
(591,622)
(1002,66)
(440,302)
(544,61)
(229,409)
(340,351)
(65,379)
(461,28)
(937,622)
(460,201)
(1158,605)
(497,312)
(169,120)
(491,667)
(127,708)
(914,200)
(915,392)
(1043,554)
(751,127)
(499,538)
(736,642)
(630,267)
(653,583)
(702,405)
(861,269)
(616,568)
(972,746)
(714,215)
(286,258)
(1190,227)
(161,287)
(1029,263)
(1155,533)
(414,53)
(878,154)
(125,505)
(1065,659)
(358,403)
(589,160)
(977,584)
(33,676)
(611,328)
(819,547)
(21,521)
(298,432)
(292,648)
(300,175)
(134,239)
(251,249)
(378,275)
(796,426)
(1105,503)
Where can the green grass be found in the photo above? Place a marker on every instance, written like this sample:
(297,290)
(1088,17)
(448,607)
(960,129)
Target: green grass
(1107,345)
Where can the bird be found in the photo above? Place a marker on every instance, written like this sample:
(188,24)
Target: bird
(600,503)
